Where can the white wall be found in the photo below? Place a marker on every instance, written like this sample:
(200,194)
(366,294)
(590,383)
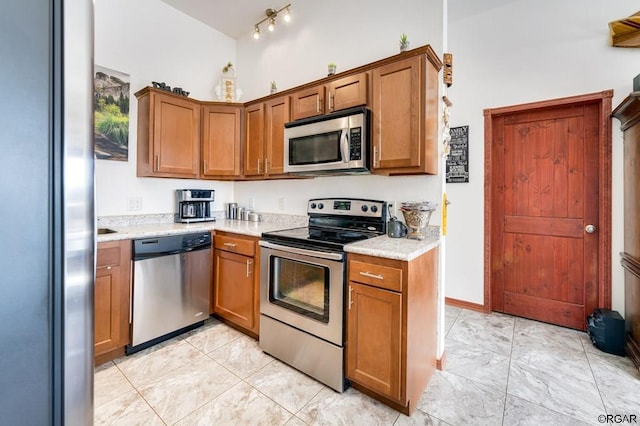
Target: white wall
(350,34)
(515,51)
(152,41)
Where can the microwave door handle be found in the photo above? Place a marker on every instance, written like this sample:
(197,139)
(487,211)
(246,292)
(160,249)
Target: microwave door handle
(344,145)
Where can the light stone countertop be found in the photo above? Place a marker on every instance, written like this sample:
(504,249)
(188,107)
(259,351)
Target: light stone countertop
(383,246)
(393,248)
(146,230)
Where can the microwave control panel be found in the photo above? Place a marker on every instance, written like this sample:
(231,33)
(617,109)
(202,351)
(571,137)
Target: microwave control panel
(355,143)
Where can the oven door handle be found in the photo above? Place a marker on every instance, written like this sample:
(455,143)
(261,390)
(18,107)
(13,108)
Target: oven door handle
(304,252)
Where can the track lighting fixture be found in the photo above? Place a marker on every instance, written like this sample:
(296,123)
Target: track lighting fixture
(270,16)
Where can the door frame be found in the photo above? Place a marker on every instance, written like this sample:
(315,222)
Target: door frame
(603,99)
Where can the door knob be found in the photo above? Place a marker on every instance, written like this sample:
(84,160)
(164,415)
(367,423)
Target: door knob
(590,229)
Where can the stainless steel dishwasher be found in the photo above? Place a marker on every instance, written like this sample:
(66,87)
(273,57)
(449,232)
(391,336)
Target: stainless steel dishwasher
(171,284)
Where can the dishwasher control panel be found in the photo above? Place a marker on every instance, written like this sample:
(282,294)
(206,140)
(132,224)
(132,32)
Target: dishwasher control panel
(171,244)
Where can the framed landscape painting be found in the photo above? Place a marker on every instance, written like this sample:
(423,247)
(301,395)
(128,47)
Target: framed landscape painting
(111,114)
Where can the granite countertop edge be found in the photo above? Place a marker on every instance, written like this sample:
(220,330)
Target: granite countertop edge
(391,248)
(394,248)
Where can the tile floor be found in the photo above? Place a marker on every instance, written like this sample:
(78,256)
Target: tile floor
(500,370)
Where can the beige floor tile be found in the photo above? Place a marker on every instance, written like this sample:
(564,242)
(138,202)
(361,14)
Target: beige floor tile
(242,356)
(109,384)
(285,385)
(214,335)
(182,391)
(127,410)
(240,405)
(349,408)
(153,363)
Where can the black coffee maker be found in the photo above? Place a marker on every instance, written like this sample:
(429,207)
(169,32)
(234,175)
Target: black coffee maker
(194,205)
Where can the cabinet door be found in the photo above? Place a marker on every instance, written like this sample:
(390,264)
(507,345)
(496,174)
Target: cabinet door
(347,92)
(234,295)
(374,338)
(221,141)
(308,103)
(111,296)
(396,114)
(176,136)
(107,311)
(278,113)
(254,146)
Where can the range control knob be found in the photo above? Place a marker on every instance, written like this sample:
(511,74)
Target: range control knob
(364,208)
(374,209)
(320,206)
(313,205)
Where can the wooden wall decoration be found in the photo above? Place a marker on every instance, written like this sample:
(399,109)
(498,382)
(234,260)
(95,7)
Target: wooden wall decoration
(458,160)
(447,74)
(626,32)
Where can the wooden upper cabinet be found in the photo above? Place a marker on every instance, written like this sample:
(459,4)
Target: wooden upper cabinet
(341,93)
(264,147)
(254,140)
(168,135)
(405,117)
(221,127)
(347,92)
(308,102)
(277,114)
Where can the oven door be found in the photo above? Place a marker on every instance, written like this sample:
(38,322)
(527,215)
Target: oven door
(304,289)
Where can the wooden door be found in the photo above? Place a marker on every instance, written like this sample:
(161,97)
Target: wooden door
(254,137)
(546,193)
(347,92)
(176,136)
(234,294)
(374,339)
(396,115)
(221,141)
(308,102)
(277,114)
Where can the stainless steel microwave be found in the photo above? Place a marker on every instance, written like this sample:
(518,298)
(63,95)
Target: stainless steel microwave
(335,143)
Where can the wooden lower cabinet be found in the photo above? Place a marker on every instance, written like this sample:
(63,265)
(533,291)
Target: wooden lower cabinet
(112,298)
(391,327)
(236,281)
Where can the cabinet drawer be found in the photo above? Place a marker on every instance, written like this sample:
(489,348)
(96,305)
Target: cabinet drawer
(235,245)
(376,275)
(108,255)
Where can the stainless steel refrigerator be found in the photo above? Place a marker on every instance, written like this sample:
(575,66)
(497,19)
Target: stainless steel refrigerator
(46,212)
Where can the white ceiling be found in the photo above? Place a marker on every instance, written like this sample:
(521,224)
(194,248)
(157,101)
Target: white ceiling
(234,18)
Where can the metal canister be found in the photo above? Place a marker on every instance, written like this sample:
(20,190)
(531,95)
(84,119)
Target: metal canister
(232,210)
(245,214)
(240,213)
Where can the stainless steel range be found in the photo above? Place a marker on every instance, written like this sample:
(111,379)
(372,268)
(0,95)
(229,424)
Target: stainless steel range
(302,285)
